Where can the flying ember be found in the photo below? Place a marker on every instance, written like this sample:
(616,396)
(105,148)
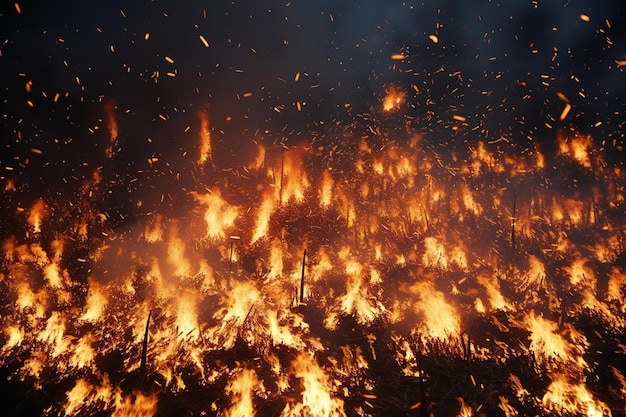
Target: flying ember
(382,233)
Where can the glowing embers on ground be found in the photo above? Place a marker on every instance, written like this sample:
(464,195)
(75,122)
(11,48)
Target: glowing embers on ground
(414,262)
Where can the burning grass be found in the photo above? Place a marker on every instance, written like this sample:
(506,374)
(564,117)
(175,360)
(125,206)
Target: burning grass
(477,283)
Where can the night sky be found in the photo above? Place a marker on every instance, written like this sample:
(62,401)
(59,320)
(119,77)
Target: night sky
(499,64)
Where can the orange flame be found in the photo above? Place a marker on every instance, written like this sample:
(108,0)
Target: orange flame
(205,139)
(394,99)
(109,109)
(35,215)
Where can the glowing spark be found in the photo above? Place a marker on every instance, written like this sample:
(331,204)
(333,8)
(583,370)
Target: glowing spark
(565,111)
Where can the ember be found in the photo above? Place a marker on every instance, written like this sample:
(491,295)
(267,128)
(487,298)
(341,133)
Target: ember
(273,241)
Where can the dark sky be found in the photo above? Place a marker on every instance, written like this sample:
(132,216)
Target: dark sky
(500,64)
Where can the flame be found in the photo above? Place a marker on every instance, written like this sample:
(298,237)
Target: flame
(326,190)
(14,336)
(293,179)
(548,342)
(263,217)
(617,280)
(406,251)
(154,232)
(394,99)
(440,319)
(466,410)
(562,395)
(205,139)
(35,215)
(242,388)
(357,299)
(580,274)
(9,185)
(317,391)
(496,299)
(218,214)
(577,147)
(176,253)
(96,303)
(109,109)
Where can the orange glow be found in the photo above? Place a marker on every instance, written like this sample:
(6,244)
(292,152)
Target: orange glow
(326,191)
(317,391)
(550,343)
(35,215)
(218,215)
(241,389)
(154,230)
(411,252)
(9,185)
(205,153)
(394,99)
(263,217)
(439,318)
(577,147)
(109,109)
(565,396)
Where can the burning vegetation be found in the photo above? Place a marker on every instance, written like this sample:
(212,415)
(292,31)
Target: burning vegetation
(476,282)
(407,255)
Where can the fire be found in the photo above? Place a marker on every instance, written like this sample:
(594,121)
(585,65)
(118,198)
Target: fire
(154,232)
(357,300)
(567,396)
(394,99)
(263,217)
(417,265)
(292,180)
(95,304)
(496,298)
(218,214)
(14,336)
(326,190)
(205,138)
(35,215)
(549,343)
(577,147)
(440,319)
(109,109)
(317,391)
(9,185)
(242,388)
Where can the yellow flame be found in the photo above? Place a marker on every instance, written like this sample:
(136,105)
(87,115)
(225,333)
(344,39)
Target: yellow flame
(241,389)
(317,391)
(263,217)
(563,395)
(219,216)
